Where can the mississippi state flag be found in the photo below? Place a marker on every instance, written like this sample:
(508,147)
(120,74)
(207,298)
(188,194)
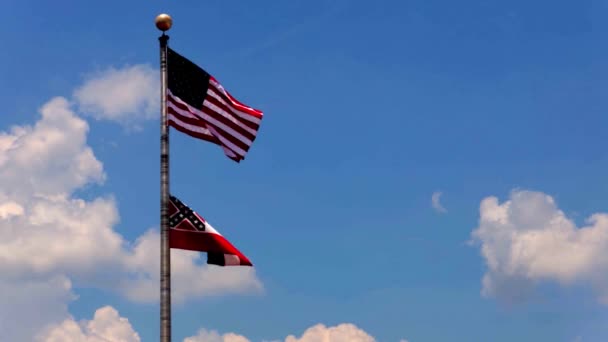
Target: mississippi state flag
(190,231)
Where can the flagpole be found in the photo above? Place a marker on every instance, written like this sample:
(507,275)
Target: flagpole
(163,23)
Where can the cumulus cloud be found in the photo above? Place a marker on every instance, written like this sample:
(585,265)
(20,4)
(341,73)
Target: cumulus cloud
(342,333)
(106,325)
(50,238)
(44,231)
(50,158)
(213,336)
(9,209)
(436,202)
(27,305)
(126,95)
(187,277)
(527,240)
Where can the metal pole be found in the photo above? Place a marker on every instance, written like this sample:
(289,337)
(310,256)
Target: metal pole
(163,22)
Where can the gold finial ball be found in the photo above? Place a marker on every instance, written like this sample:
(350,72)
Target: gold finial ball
(163,22)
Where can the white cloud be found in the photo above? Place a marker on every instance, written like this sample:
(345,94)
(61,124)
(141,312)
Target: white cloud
(9,209)
(42,229)
(125,95)
(49,232)
(527,240)
(188,278)
(50,158)
(213,336)
(106,326)
(27,305)
(49,237)
(319,333)
(436,202)
(45,230)
(341,333)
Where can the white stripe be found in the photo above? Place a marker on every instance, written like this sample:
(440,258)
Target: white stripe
(226,142)
(229,116)
(181,111)
(231,260)
(191,128)
(180,101)
(198,114)
(229,148)
(229,152)
(210,229)
(241,114)
(227,129)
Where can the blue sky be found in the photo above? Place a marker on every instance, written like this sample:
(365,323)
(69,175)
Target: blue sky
(369,108)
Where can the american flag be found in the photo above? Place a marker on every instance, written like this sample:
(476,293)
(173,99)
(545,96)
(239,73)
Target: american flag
(199,106)
(188,230)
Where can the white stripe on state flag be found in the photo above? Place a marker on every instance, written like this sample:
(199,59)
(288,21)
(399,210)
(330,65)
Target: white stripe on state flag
(208,228)
(231,260)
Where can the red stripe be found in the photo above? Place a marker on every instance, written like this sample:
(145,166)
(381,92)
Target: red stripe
(204,242)
(221,118)
(233,139)
(193,134)
(235,103)
(243,107)
(187,119)
(201,123)
(226,105)
(209,138)
(172,209)
(182,106)
(185,224)
(229,110)
(176,101)
(252,111)
(218,116)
